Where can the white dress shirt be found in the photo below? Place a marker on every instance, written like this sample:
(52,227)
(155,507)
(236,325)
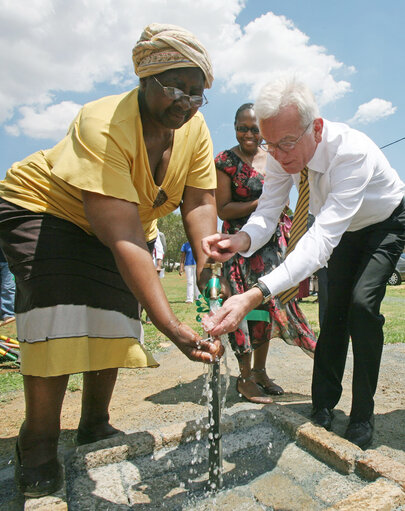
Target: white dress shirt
(351,185)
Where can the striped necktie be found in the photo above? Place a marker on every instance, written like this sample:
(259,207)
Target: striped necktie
(298,228)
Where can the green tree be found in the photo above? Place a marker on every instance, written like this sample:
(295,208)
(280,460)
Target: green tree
(173,229)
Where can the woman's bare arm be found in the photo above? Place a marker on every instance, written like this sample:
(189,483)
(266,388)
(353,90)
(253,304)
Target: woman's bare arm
(227,208)
(117,225)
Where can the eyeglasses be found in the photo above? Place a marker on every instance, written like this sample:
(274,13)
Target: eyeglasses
(177,94)
(245,129)
(286,146)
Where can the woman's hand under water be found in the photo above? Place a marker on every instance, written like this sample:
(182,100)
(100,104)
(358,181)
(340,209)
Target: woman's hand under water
(194,347)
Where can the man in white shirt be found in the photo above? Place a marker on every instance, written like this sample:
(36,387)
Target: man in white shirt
(359,233)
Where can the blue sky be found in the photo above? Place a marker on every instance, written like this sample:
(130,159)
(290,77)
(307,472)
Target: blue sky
(56,56)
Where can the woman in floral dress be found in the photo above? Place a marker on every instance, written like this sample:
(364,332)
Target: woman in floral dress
(240,173)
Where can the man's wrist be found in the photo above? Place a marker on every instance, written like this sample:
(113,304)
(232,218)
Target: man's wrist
(244,241)
(266,294)
(254,298)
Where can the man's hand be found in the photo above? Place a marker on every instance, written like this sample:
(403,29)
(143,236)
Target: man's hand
(221,247)
(229,316)
(159,266)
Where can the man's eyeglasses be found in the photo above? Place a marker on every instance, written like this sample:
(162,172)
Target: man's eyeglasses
(285,146)
(177,94)
(244,129)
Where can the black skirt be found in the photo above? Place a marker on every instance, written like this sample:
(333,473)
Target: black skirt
(73,309)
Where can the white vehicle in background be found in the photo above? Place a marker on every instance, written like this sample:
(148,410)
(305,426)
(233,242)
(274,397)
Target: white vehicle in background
(398,275)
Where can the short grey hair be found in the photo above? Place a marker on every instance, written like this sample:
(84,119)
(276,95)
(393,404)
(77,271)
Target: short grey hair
(283,91)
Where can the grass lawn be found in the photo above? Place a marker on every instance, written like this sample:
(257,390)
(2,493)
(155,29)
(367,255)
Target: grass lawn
(393,308)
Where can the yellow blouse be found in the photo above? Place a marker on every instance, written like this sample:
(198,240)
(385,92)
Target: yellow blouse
(104,152)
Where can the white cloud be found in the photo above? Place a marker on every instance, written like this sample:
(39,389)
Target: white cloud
(49,47)
(51,122)
(272,44)
(372,111)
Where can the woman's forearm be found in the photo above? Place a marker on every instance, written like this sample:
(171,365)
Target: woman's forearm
(139,273)
(117,224)
(233,210)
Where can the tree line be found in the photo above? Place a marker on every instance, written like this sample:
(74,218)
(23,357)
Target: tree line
(173,229)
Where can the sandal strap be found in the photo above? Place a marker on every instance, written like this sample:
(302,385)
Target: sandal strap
(243,380)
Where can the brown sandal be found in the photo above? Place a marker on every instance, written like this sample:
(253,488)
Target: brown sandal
(260,398)
(270,387)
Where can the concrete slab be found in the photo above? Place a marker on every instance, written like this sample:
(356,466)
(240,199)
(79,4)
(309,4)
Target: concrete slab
(263,466)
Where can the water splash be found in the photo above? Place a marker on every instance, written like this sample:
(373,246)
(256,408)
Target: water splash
(215,404)
(214,391)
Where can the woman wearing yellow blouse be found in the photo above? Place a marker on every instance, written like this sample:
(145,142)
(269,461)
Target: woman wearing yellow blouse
(77,223)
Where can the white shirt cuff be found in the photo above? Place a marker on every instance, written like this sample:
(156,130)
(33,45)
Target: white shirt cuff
(255,233)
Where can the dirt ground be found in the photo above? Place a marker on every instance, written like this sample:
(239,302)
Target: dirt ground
(172,393)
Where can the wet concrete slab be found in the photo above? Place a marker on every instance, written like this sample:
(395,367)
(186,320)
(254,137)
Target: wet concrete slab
(273,459)
(264,468)
(149,468)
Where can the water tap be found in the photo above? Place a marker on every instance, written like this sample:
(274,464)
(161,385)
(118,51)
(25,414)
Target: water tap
(214,283)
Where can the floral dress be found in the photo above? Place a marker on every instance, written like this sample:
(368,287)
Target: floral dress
(286,321)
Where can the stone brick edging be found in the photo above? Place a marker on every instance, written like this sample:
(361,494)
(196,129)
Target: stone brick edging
(334,450)
(388,489)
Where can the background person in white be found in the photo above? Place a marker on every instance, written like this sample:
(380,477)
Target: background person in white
(359,231)
(188,264)
(158,255)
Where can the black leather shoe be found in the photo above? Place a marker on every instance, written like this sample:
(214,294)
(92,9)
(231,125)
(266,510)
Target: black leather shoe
(360,433)
(38,481)
(322,417)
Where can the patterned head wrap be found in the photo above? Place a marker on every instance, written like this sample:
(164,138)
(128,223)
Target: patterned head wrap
(164,47)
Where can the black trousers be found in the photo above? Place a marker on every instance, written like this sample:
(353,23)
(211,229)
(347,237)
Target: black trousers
(358,271)
(322,275)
